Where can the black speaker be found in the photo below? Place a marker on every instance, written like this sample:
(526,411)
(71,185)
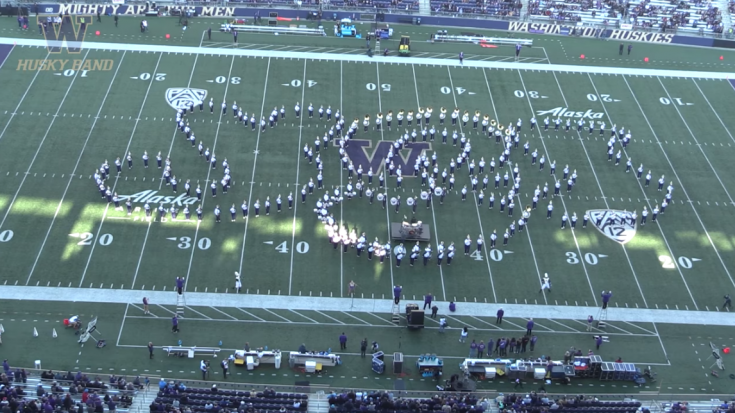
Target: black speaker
(416,319)
(397,363)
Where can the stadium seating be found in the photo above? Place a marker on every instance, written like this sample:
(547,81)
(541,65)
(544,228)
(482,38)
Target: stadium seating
(26,388)
(497,8)
(698,16)
(214,399)
(579,404)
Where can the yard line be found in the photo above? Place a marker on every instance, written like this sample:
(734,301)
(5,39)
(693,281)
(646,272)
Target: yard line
(154,316)
(162,307)
(602,192)
(662,343)
(485,322)
(646,199)
(433,214)
(22,98)
(209,173)
(387,212)
(382,319)
(12,201)
(203,315)
(713,110)
(328,316)
(461,322)
(358,319)
(298,170)
(250,314)
(676,107)
(341,186)
(528,232)
(223,313)
(563,325)
(76,165)
(308,318)
(114,185)
(547,56)
(576,242)
(284,318)
(639,327)
(122,324)
(255,163)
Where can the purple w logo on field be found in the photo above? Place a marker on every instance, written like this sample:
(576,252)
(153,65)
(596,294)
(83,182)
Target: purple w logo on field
(358,153)
(71,30)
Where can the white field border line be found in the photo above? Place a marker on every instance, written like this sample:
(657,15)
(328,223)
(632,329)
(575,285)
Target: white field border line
(662,344)
(117,179)
(222,312)
(431,195)
(341,186)
(379,58)
(255,163)
(713,110)
(561,198)
(317,311)
(209,172)
(602,192)
(79,158)
(696,141)
(385,174)
(302,115)
(122,324)
(520,203)
(252,315)
(646,198)
(8,57)
(22,98)
(160,179)
(150,313)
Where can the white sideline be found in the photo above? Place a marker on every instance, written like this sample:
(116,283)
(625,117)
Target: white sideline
(361,305)
(380,59)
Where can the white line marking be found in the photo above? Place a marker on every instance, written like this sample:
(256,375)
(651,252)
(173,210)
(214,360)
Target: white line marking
(255,163)
(433,214)
(127,148)
(76,165)
(223,313)
(22,98)
(209,173)
(203,315)
(122,325)
(298,170)
(385,189)
(602,192)
(543,143)
(279,316)
(251,314)
(317,311)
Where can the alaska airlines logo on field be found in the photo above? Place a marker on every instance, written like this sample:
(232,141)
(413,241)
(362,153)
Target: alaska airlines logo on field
(184,97)
(619,226)
(358,154)
(151,197)
(562,112)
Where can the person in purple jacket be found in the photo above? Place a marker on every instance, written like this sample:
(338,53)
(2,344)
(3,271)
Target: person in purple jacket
(180,285)
(427,300)
(343,342)
(499,316)
(397,294)
(529,327)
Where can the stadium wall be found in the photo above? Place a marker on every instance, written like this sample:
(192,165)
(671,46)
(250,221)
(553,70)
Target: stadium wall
(518,27)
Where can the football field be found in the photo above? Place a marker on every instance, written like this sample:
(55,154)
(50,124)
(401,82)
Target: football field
(62,116)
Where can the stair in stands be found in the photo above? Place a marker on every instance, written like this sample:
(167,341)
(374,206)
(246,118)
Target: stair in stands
(143,399)
(318,403)
(425,7)
(396,314)
(180,304)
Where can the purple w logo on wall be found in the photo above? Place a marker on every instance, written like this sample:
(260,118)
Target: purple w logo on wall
(358,151)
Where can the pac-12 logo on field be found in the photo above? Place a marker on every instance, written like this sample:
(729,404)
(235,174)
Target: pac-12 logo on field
(184,97)
(619,226)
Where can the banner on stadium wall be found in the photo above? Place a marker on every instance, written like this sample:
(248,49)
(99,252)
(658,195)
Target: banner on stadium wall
(118,1)
(613,34)
(626,26)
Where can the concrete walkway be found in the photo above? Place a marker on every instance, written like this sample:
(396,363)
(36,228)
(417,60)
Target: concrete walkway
(359,305)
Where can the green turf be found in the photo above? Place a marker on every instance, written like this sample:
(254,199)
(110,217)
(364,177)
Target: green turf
(58,125)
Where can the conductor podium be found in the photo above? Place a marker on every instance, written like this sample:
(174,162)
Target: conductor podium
(410,231)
